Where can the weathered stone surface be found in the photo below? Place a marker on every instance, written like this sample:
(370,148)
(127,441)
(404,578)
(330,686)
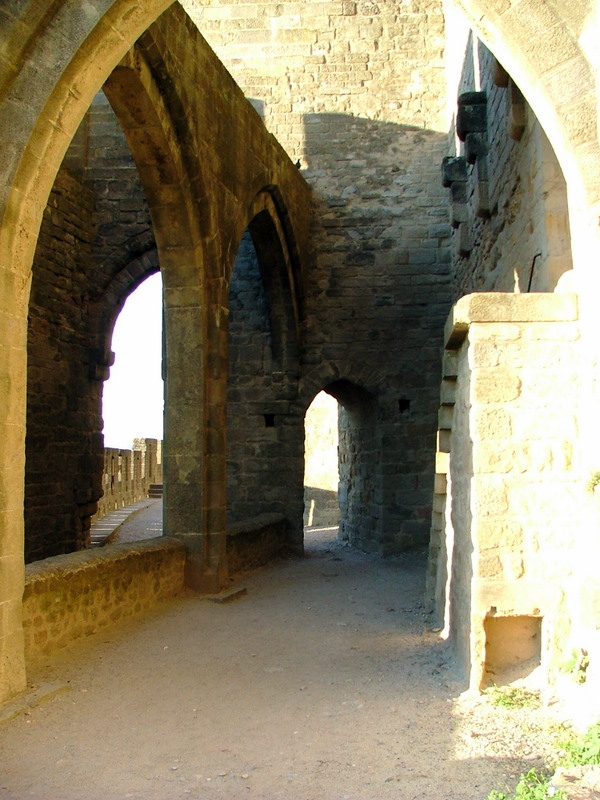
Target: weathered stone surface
(454,168)
(471,116)
(254,542)
(499,385)
(500,307)
(513,470)
(357,94)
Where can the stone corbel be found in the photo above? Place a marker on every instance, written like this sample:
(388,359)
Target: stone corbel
(471,128)
(499,75)
(455,178)
(471,116)
(100,361)
(517,111)
(516,106)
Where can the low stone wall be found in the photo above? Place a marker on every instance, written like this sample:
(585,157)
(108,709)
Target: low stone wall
(71,596)
(256,541)
(321,508)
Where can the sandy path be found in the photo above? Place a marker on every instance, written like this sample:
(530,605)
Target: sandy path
(322,683)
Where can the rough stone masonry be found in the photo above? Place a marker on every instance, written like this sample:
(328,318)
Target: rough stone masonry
(129,148)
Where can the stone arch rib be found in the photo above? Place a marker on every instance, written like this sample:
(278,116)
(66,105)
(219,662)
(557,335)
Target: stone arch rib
(49,101)
(278,271)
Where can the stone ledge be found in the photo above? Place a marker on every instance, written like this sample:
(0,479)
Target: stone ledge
(256,541)
(505,307)
(59,567)
(255,524)
(32,698)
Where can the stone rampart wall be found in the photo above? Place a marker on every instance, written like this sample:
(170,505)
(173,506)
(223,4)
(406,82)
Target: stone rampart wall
(73,596)
(128,474)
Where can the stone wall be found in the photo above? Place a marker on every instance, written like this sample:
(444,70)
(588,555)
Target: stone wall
(63,445)
(128,475)
(256,541)
(73,596)
(360,469)
(515,234)
(257,396)
(507,513)
(355,92)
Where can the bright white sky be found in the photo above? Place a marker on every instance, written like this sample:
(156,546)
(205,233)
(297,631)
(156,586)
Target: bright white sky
(133,395)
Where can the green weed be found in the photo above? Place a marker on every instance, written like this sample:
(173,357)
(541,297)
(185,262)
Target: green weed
(593,481)
(513,697)
(535,785)
(576,665)
(582,750)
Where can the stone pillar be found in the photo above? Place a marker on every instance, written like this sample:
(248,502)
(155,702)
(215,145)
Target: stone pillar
(194,460)
(13,321)
(506,518)
(184,433)
(12,576)
(215,570)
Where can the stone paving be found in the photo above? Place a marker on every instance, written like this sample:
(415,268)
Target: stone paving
(321,682)
(142,520)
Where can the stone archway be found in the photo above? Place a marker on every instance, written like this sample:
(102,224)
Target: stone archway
(264,433)
(48,85)
(174,198)
(56,70)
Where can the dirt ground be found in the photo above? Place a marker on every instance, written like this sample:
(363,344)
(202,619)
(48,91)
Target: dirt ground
(323,682)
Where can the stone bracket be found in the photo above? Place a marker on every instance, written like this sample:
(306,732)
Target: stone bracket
(517,107)
(471,116)
(517,112)
(100,361)
(471,128)
(455,178)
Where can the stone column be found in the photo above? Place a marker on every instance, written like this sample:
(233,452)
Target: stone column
(13,322)
(184,428)
(214,567)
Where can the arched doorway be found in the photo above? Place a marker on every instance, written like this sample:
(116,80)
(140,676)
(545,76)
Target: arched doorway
(133,397)
(264,432)
(321,468)
(96,246)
